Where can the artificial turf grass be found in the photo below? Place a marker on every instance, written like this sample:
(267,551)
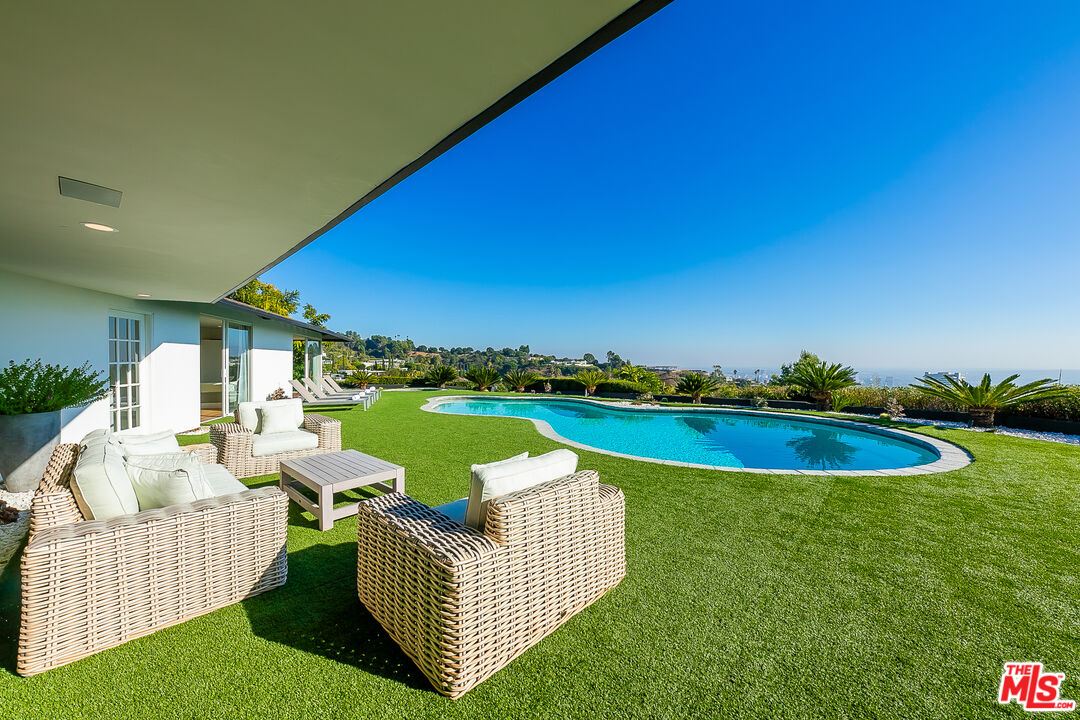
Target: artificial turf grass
(747,596)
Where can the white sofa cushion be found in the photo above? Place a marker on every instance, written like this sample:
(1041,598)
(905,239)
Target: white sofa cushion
(277,419)
(273,443)
(167,479)
(247,413)
(221,481)
(153,444)
(100,480)
(496,479)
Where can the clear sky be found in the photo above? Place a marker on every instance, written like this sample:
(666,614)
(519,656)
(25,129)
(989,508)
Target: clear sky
(889,186)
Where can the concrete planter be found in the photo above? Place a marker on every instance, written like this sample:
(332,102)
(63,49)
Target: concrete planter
(26,443)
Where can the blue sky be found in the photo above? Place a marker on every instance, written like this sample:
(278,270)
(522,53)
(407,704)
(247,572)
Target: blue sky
(730,182)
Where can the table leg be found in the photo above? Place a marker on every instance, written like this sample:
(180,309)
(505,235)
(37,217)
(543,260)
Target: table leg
(326,508)
(399,481)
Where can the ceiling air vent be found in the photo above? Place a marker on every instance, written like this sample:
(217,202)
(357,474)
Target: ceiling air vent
(89,192)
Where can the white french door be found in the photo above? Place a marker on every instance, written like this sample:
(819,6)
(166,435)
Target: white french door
(125,354)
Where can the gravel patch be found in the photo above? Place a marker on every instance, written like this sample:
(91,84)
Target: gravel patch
(11,534)
(1000,430)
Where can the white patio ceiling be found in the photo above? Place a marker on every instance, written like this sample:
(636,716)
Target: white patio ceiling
(236,131)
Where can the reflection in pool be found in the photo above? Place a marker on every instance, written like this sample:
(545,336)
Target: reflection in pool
(709,437)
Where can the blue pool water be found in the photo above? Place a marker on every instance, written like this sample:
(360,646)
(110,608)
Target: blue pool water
(711,437)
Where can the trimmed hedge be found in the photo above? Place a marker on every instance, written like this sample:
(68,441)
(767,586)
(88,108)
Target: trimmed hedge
(570,385)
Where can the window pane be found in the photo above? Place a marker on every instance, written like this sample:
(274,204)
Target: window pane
(112,351)
(123,396)
(135,417)
(133,373)
(134,396)
(124,420)
(112,327)
(114,373)
(135,354)
(122,328)
(135,329)
(124,354)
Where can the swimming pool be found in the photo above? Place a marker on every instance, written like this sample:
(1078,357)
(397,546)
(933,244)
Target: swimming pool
(722,439)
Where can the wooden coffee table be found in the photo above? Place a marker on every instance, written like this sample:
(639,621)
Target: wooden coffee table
(331,473)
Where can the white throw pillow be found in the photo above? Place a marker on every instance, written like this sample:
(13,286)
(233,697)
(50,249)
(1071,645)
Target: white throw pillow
(276,419)
(151,444)
(100,481)
(247,413)
(496,479)
(167,479)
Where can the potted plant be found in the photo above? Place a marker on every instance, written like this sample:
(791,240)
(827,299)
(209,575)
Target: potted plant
(821,380)
(591,379)
(482,376)
(696,385)
(32,394)
(519,379)
(440,375)
(362,378)
(985,399)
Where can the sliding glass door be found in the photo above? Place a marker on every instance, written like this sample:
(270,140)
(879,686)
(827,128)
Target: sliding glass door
(237,365)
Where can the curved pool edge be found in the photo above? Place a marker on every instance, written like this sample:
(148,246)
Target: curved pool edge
(950,456)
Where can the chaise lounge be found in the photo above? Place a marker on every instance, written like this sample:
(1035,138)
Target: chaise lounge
(263,434)
(462,602)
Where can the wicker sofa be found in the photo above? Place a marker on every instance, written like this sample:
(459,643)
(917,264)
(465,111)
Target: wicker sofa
(463,604)
(236,441)
(89,585)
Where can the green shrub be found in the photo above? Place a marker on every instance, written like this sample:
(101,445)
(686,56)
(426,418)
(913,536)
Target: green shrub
(1065,407)
(34,387)
(753,392)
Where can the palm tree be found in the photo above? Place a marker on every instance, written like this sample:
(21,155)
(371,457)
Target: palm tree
(519,379)
(483,376)
(820,380)
(590,379)
(984,399)
(441,374)
(630,373)
(695,385)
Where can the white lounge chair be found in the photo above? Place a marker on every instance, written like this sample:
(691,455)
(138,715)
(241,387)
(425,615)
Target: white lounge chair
(311,398)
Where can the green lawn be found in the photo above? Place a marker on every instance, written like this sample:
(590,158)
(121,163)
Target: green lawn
(747,596)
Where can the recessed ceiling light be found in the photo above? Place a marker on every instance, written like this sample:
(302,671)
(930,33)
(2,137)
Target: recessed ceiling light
(99,226)
(142,295)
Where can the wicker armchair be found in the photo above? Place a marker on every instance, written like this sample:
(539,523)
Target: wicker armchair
(463,604)
(234,446)
(89,585)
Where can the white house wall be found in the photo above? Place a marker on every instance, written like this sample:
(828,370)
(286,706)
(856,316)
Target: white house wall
(69,326)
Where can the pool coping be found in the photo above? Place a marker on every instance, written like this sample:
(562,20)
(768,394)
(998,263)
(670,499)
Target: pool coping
(950,456)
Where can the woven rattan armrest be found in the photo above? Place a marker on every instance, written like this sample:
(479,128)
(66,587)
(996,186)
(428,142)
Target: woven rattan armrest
(207,452)
(328,429)
(399,520)
(232,439)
